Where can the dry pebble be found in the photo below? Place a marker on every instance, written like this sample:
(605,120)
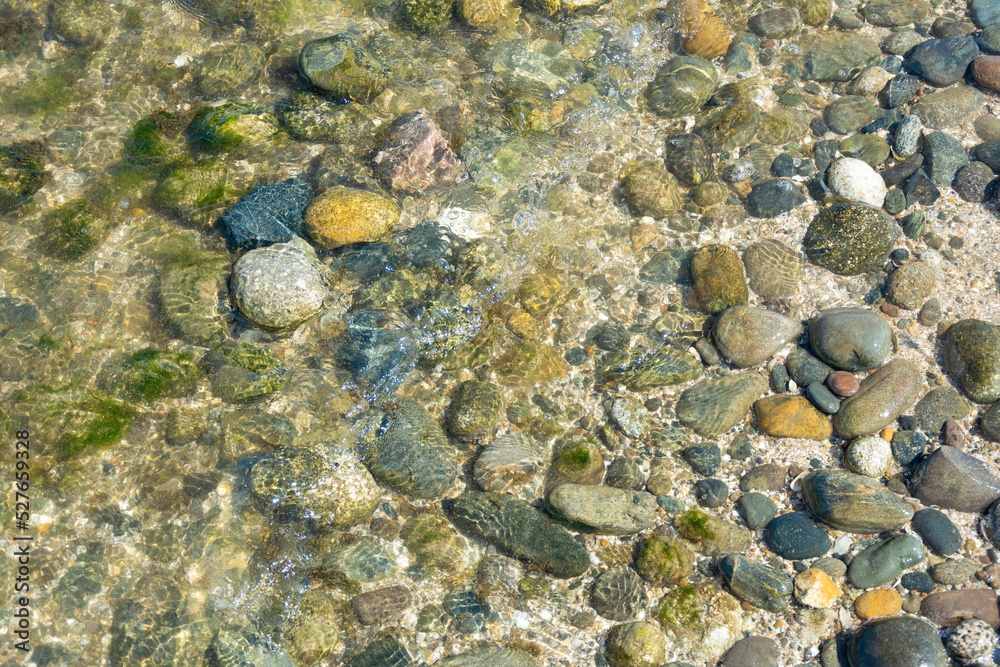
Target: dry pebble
(877,603)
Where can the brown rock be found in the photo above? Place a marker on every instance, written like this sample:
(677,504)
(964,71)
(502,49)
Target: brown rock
(417,157)
(954,434)
(877,603)
(765,477)
(986,71)
(381,605)
(791,417)
(843,383)
(953,607)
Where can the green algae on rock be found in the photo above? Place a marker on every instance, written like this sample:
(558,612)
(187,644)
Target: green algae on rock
(341,65)
(578,461)
(242,372)
(22,173)
(312,118)
(149,375)
(639,369)
(232,126)
(972,356)
(637,644)
(701,619)
(664,561)
(428,16)
(71,421)
(850,238)
(518,528)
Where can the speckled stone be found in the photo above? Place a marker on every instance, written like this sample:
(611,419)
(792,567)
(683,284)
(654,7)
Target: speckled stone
(877,603)
(631,416)
(955,572)
(280,286)
(718,278)
(884,395)
(911,284)
(806,369)
(853,503)
(971,640)
(342,66)
(752,652)
(850,238)
(952,479)
(902,641)
(852,339)
(855,180)
(938,406)
(882,562)
(701,619)
(972,356)
(791,417)
(907,446)
(949,107)
(748,336)
(868,455)
(342,216)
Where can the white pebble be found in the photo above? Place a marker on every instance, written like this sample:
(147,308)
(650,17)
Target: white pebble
(869,455)
(855,180)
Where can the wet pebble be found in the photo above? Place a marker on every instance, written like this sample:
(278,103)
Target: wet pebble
(972,356)
(762,586)
(882,562)
(897,642)
(281,285)
(814,587)
(712,407)
(938,531)
(618,594)
(855,180)
(822,398)
(943,157)
(884,395)
(942,62)
(773,197)
(971,640)
(907,136)
(603,510)
(938,406)
(952,479)
(638,644)
(877,603)
(853,503)
(972,182)
(907,446)
(850,238)
(756,509)
(749,336)
(869,455)
(795,536)
(911,284)
(851,339)
(842,383)
(711,493)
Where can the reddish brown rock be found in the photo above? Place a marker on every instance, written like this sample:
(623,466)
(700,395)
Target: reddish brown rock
(417,157)
(384,604)
(843,383)
(953,607)
(986,71)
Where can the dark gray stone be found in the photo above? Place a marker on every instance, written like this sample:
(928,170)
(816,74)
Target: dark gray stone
(773,197)
(758,584)
(952,479)
(943,156)
(795,537)
(902,641)
(939,533)
(756,509)
(942,62)
(853,503)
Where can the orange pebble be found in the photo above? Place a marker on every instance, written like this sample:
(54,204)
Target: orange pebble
(877,603)
(887,433)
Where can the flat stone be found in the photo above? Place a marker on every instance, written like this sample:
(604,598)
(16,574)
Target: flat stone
(490,656)
(884,395)
(972,356)
(602,509)
(760,585)
(539,68)
(837,56)
(704,459)
(816,588)
(752,652)
(771,198)
(953,607)
(618,593)
(877,603)
(944,155)
(270,213)
(852,339)
(712,407)
(518,528)
(955,572)
(756,509)
(850,238)
(938,532)
(902,641)
(849,113)
(795,536)
(890,13)
(711,535)
(682,86)
(910,285)
(791,417)
(949,107)
(985,12)
(882,562)
(938,406)
(749,336)
(822,398)
(853,503)
(942,62)
(764,477)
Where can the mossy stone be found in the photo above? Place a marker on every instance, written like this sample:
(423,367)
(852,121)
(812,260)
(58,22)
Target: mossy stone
(149,375)
(232,126)
(972,356)
(156,139)
(579,461)
(341,65)
(718,278)
(850,238)
(314,631)
(243,372)
(428,16)
(312,118)
(436,543)
(702,620)
(72,420)
(192,189)
(85,23)
(191,288)
(73,229)
(636,644)
(22,173)
(664,561)
(475,410)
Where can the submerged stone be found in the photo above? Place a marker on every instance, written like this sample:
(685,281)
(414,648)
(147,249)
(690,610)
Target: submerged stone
(341,65)
(850,238)
(972,356)
(712,407)
(853,503)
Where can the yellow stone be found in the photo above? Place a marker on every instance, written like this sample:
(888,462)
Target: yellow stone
(815,588)
(877,603)
(341,216)
(791,417)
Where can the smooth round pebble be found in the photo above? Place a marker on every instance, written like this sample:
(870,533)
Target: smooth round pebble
(281,285)
(869,456)
(855,180)
(842,383)
(877,603)
(971,639)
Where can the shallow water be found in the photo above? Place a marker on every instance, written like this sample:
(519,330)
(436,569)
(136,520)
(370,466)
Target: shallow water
(147,526)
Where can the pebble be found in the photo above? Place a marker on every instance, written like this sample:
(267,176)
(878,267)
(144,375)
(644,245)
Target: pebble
(884,395)
(711,493)
(869,455)
(849,113)
(701,620)
(949,107)
(748,336)
(955,572)
(942,62)
(872,149)
(475,410)
(816,588)
(920,582)
(986,72)
(882,562)
(990,424)
(930,313)
(752,652)
(778,378)
(907,136)
(853,503)
(342,66)
(834,567)
(796,537)
(938,406)
(850,238)
(806,369)
(269,214)
(943,157)
(618,593)
(689,159)
(717,272)
(771,198)
(704,459)
(491,656)
(280,286)
(756,509)
(911,284)
(762,586)
(343,216)
(515,526)
(416,157)
(988,152)
(382,605)
(711,535)
(920,189)
(901,641)
(822,398)
(631,416)
(953,435)
(603,510)
(855,180)
(877,603)
(852,339)
(951,607)
(709,355)
(843,383)
(664,561)
(971,640)
(712,407)
(637,644)
(938,532)
(682,86)
(764,477)
(972,356)
(972,182)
